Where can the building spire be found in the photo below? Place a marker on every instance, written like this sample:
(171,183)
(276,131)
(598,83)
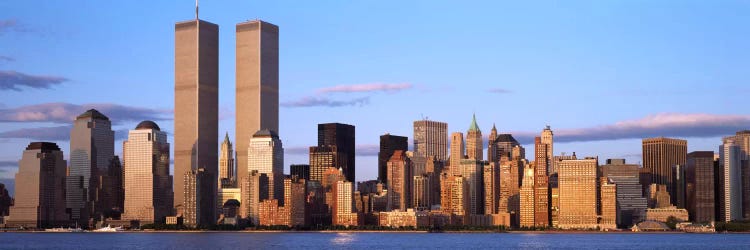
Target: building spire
(473,126)
(196,9)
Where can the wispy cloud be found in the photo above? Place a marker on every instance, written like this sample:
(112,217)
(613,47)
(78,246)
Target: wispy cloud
(7,58)
(8,25)
(66,113)
(313,101)
(12,80)
(367,87)
(499,91)
(59,133)
(664,124)
(8,164)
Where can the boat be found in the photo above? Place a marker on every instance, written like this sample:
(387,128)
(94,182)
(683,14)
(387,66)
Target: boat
(65,230)
(109,229)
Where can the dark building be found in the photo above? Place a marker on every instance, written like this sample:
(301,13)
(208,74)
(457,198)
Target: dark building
(321,158)
(5,201)
(302,171)
(700,186)
(660,155)
(342,137)
(388,144)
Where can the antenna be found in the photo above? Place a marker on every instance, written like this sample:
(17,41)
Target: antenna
(196,9)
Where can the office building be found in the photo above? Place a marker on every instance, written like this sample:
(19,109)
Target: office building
(526,195)
(607,204)
(40,188)
(577,180)
(341,136)
(472,171)
(388,144)
(256,84)
(454,196)
(421,192)
(700,186)
(196,111)
(302,171)
(630,201)
(457,153)
(343,206)
(731,166)
(399,182)
(266,155)
(543,158)
(194,208)
(148,184)
(92,144)
(253,189)
(491,175)
(322,158)
(431,139)
(660,155)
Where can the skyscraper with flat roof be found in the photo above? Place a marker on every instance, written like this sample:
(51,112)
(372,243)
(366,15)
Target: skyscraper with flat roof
(196,114)
(342,137)
(578,193)
(660,155)
(457,152)
(700,186)
(630,201)
(730,164)
(257,84)
(431,139)
(388,144)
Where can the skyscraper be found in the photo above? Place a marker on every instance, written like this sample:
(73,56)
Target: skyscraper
(148,184)
(431,139)
(322,158)
(578,193)
(40,188)
(295,191)
(196,114)
(257,84)
(342,137)
(700,187)
(632,205)
(472,171)
(660,155)
(742,139)
(541,180)
(266,155)
(457,152)
(730,163)
(607,204)
(527,207)
(388,144)
(196,182)
(454,196)
(421,192)
(253,189)
(474,141)
(491,177)
(343,205)
(399,182)
(92,144)
(302,171)
(548,140)
(227,174)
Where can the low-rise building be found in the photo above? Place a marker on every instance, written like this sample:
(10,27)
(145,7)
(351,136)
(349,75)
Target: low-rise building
(662,214)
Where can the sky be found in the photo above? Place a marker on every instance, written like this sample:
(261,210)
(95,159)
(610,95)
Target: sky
(602,74)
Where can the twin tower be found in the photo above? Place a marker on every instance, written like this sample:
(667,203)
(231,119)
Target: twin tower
(196,113)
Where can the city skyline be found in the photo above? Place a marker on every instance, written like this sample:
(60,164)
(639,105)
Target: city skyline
(379,90)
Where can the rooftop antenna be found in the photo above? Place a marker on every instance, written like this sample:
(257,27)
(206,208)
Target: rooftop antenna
(196,9)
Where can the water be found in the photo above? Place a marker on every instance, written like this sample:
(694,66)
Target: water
(312,240)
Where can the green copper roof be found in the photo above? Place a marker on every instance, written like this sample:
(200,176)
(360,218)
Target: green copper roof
(473,126)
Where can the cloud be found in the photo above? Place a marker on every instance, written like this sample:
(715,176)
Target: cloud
(312,101)
(664,124)
(360,150)
(66,113)
(7,59)
(59,133)
(8,164)
(367,87)
(12,80)
(500,91)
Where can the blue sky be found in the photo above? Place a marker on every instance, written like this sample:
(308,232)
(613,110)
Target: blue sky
(603,74)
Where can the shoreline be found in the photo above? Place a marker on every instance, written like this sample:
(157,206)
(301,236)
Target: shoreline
(385,231)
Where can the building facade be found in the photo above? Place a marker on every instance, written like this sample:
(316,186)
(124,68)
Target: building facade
(388,144)
(630,200)
(40,188)
(457,152)
(266,155)
(342,137)
(660,155)
(148,184)
(256,84)
(431,139)
(731,166)
(227,171)
(196,113)
(578,193)
(700,187)
(474,141)
(399,182)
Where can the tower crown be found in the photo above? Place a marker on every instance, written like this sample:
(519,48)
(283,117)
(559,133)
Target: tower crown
(474,126)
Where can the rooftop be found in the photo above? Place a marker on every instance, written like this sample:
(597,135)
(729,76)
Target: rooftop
(147,125)
(94,114)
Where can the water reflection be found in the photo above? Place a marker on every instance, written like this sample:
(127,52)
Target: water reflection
(343,239)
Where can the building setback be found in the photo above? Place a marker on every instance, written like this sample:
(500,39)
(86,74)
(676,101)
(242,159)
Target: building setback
(630,201)
(196,114)
(40,188)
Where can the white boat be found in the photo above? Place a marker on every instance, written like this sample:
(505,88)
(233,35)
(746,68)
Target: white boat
(109,229)
(64,230)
